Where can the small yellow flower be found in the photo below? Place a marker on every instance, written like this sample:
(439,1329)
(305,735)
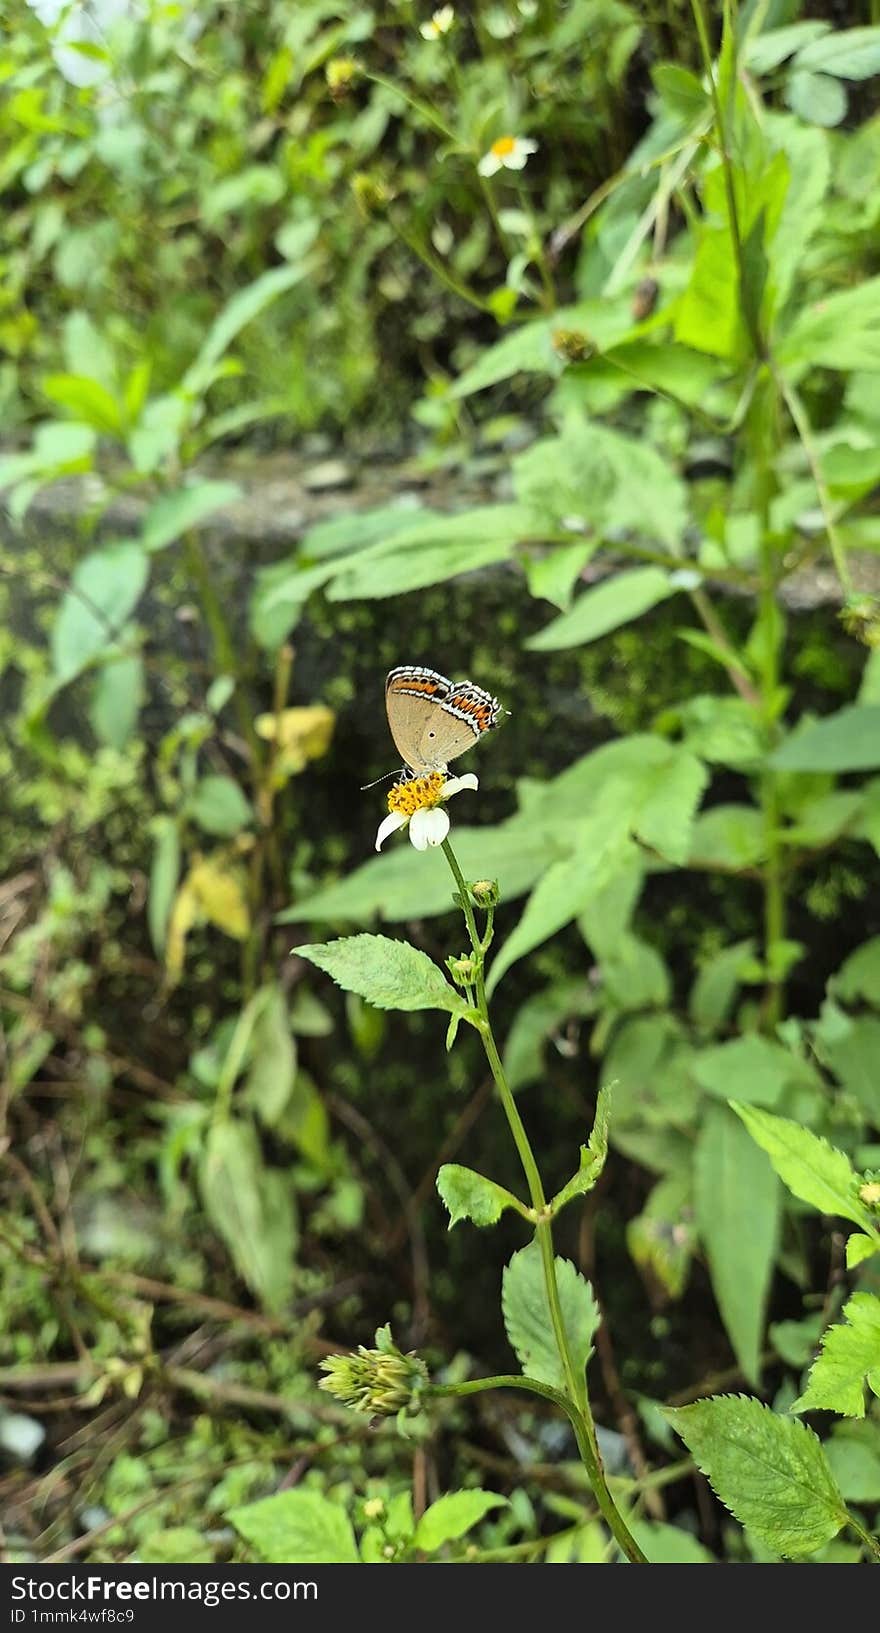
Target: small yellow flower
(870,1193)
(440,24)
(417,804)
(507,153)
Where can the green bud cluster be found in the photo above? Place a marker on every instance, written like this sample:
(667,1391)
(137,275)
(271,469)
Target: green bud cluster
(381,1382)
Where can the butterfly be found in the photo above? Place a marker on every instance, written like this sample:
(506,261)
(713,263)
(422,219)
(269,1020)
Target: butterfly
(433,720)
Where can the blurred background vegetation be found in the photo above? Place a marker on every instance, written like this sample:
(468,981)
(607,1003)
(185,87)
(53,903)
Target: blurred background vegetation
(291,392)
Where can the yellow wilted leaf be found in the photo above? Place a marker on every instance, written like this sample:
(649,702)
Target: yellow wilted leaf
(183,915)
(219,893)
(300,735)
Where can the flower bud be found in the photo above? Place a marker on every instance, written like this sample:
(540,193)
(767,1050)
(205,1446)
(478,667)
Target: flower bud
(371,195)
(860,617)
(572,345)
(463,969)
(870,1193)
(485,892)
(380,1382)
(340,74)
(644,298)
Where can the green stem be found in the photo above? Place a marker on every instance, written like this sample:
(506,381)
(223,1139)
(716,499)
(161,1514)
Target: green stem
(801,422)
(871,1543)
(575,1402)
(584,1435)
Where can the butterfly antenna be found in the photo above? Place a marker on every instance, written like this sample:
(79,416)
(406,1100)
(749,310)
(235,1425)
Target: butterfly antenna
(366,785)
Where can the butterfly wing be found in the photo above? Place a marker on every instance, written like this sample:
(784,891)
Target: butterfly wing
(412,695)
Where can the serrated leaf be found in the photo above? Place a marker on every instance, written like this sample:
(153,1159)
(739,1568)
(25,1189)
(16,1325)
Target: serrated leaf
(452,1516)
(469,1195)
(593,1156)
(768,1470)
(527,1320)
(388,974)
(849,1361)
(859,1248)
(811,1168)
(737,1203)
(297,1528)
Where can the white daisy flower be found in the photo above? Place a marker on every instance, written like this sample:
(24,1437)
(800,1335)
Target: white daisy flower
(418,805)
(440,24)
(507,153)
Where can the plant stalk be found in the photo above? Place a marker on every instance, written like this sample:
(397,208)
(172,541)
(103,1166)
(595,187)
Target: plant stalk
(574,1402)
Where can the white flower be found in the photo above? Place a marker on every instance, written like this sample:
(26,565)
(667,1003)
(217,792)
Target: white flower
(507,153)
(440,23)
(418,804)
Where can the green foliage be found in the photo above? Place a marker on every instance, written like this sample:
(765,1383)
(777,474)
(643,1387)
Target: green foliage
(811,1168)
(452,1516)
(297,1527)
(849,1361)
(470,1196)
(769,1471)
(251,1208)
(737,1201)
(389,974)
(527,1315)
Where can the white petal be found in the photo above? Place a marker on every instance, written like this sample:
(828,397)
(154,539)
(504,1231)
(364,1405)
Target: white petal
(489,165)
(390,826)
(515,160)
(455,785)
(428,828)
(525,145)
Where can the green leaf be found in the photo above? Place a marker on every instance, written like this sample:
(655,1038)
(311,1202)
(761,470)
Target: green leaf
(669,1544)
(855,1463)
(619,600)
(529,349)
(535,1020)
(468,1195)
(389,974)
(853,1054)
(250,1207)
(272,1072)
(87,400)
(840,331)
(297,1528)
(680,90)
(105,588)
(593,1156)
(769,1471)
(219,806)
(846,741)
(567,886)
(117,698)
(662,1239)
(751,1069)
(764,52)
(412,561)
(813,1170)
(452,1516)
(848,1363)
(164,874)
(717,984)
(728,836)
(552,577)
(176,513)
(241,310)
(737,1202)
(817,98)
(176,1545)
(851,53)
(403,883)
(527,1320)
(859,1248)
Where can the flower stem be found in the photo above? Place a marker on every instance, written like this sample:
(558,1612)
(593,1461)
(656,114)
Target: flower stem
(574,1402)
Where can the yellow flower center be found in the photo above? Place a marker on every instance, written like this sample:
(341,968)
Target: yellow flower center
(418,794)
(504,146)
